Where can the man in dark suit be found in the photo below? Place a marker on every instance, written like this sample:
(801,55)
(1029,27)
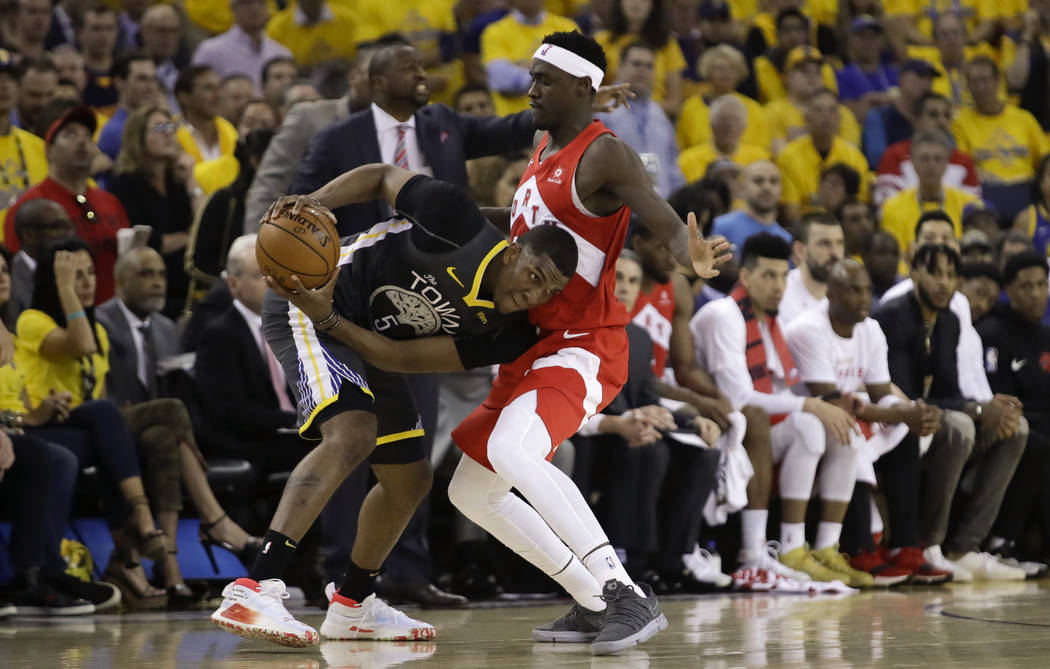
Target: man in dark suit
(400,128)
(241,384)
(922,334)
(139,335)
(37,223)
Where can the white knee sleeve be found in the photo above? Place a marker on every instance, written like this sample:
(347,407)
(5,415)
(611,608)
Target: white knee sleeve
(801,440)
(838,473)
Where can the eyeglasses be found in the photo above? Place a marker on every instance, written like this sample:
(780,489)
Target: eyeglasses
(89,215)
(163,128)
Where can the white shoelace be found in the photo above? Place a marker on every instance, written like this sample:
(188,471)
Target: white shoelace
(273,593)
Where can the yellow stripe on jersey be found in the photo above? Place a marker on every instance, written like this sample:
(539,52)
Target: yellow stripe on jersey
(399,436)
(471,299)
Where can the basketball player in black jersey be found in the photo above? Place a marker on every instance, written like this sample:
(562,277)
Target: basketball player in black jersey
(439,268)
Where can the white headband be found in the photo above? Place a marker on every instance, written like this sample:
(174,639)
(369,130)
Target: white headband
(570,63)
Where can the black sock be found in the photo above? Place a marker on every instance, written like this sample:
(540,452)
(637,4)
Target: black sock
(277,553)
(358,583)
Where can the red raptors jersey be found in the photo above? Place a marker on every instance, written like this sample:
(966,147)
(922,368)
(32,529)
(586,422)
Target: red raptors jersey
(654,313)
(547,194)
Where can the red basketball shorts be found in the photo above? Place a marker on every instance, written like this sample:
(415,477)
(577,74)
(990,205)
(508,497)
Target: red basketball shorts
(575,375)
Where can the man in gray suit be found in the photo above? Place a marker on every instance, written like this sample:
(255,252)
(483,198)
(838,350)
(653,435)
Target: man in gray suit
(139,334)
(288,146)
(37,223)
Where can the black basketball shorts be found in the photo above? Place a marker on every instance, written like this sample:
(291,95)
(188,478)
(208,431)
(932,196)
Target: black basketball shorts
(329,378)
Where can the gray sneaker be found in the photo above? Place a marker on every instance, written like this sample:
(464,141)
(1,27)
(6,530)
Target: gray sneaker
(629,619)
(579,625)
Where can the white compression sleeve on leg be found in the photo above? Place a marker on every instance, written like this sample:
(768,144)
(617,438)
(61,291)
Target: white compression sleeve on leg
(485,498)
(838,473)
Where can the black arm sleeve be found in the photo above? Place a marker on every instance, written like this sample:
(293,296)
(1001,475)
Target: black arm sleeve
(509,341)
(442,210)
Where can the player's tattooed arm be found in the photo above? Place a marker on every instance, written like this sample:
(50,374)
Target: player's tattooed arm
(414,356)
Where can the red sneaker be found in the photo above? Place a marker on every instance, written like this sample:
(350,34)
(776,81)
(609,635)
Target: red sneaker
(885,574)
(910,557)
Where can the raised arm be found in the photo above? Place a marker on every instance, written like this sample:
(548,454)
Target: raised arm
(375,181)
(612,172)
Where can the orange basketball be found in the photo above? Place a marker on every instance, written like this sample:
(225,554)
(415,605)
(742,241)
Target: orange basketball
(304,244)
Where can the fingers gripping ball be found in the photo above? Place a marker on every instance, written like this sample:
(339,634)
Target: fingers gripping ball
(305,244)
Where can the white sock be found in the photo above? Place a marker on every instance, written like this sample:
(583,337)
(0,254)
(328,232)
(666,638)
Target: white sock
(604,565)
(792,536)
(753,529)
(579,583)
(827,534)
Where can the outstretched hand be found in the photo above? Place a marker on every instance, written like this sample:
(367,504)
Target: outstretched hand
(297,203)
(706,254)
(316,303)
(609,98)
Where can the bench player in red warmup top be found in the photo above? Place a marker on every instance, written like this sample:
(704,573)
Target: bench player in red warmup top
(585,180)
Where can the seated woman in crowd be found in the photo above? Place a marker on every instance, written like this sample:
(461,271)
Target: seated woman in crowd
(146,183)
(63,355)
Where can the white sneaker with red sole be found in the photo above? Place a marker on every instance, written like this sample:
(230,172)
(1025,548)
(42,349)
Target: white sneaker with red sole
(256,610)
(371,619)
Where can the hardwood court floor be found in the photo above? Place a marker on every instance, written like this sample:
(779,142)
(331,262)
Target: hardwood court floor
(984,625)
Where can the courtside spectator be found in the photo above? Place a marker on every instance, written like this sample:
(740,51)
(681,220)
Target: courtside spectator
(951,54)
(891,123)
(22,158)
(70,65)
(205,135)
(148,186)
(1006,142)
(97,214)
(245,47)
(728,118)
(723,69)
(161,32)
(506,51)
(97,35)
(278,75)
(235,92)
(315,31)
(772,68)
(762,189)
(37,223)
(36,87)
(644,126)
(858,224)
(896,169)
(867,81)
(135,77)
(838,183)
(803,160)
(882,256)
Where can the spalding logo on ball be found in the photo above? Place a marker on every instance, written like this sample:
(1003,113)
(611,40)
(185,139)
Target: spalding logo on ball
(305,244)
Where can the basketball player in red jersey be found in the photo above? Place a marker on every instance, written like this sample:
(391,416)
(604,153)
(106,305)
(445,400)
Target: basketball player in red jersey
(585,180)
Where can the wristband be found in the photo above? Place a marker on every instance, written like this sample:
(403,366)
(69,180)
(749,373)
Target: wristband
(334,324)
(75,315)
(321,324)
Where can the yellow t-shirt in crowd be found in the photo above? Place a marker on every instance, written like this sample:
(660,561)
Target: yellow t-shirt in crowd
(331,38)
(800,167)
(227,139)
(952,82)
(824,12)
(12,383)
(669,59)
(901,212)
(509,40)
(44,374)
(694,123)
(786,122)
(973,12)
(695,160)
(23,163)
(1006,147)
(422,24)
(215,16)
(771,83)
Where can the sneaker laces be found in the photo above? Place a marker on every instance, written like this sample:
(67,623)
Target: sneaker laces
(632,613)
(272,592)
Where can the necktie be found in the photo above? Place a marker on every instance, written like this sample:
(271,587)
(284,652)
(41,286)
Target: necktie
(276,378)
(400,151)
(149,357)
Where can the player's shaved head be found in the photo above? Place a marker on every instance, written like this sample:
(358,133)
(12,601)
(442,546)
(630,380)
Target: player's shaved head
(533,269)
(849,294)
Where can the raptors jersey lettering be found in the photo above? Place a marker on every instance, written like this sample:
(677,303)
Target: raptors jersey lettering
(547,194)
(654,313)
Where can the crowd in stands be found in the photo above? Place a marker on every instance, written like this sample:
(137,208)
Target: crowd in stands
(879,345)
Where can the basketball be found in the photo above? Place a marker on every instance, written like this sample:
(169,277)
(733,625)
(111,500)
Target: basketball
(305,244)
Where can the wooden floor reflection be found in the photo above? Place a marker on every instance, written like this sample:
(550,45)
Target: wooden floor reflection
(987,625)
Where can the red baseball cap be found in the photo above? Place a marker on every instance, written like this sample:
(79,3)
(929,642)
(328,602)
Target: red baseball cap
(82,115)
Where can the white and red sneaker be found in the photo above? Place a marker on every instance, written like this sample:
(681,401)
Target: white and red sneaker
(256,611)
(371,619)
